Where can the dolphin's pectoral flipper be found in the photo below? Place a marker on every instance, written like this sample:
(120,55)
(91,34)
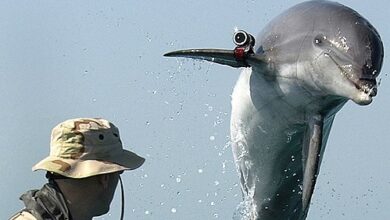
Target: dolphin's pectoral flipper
(311,158)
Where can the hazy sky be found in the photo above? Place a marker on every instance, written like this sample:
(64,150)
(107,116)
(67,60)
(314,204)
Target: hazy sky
(66,59)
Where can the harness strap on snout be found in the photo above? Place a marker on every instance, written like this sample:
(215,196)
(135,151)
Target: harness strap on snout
(123,198)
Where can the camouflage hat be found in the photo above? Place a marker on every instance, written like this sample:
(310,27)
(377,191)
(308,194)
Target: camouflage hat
(85,147)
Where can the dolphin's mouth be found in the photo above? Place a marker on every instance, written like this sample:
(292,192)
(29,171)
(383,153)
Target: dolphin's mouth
(366,85)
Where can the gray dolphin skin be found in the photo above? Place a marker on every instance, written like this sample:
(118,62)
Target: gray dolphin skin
(306,64)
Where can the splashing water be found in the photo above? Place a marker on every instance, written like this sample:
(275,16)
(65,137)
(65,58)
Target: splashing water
(243,211)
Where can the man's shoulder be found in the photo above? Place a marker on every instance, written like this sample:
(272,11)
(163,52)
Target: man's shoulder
(23,215)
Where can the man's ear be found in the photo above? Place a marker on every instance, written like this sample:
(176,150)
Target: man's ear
(104,180)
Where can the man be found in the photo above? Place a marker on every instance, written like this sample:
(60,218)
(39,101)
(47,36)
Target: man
(83,168)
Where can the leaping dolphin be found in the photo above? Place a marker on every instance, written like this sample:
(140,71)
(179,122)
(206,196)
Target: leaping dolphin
(307,63)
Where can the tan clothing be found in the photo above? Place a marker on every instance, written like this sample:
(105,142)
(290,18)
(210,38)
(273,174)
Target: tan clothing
(23,216)
(85,147)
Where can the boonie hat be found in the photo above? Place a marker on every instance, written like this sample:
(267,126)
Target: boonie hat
(85,147)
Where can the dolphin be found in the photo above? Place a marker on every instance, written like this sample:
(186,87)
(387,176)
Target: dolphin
(297,74)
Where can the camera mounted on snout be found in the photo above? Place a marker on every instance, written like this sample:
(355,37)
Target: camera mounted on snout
(244,44)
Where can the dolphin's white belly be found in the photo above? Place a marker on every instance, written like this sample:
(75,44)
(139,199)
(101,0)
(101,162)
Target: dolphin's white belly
(267,135)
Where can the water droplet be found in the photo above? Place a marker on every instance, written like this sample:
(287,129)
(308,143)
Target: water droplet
(148,38)
(216,182)
(200,171)
(147,212)
(173,210)
(178,179)
(292,158)
(224,164)
(212,138)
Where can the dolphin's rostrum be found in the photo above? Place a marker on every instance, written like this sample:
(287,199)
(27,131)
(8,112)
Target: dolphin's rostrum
(306,64)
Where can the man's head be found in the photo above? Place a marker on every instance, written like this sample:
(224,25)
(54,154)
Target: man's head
(86,158)
(93,193)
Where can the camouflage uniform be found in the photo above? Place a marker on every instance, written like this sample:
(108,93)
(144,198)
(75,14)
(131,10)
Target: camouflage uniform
(23,215)
(79,148)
